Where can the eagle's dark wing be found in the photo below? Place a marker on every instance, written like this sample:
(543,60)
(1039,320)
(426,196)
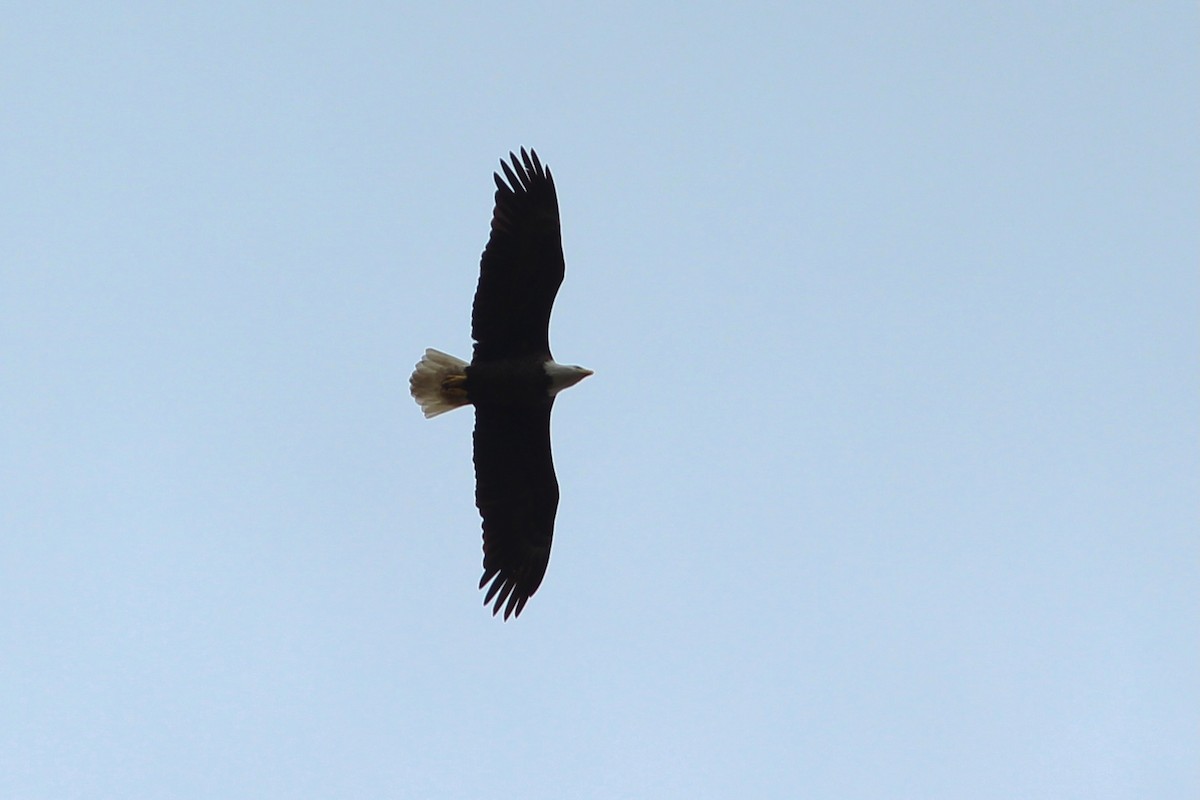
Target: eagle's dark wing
(517,495)
(522,266)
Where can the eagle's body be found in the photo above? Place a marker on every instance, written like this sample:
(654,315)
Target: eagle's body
(512,381)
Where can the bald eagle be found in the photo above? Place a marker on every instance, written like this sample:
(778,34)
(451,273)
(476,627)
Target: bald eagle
(512,381)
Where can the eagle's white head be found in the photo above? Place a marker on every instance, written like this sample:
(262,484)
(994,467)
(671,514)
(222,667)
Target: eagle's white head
(564,375)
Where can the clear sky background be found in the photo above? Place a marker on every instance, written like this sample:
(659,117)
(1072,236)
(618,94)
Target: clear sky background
(885,485)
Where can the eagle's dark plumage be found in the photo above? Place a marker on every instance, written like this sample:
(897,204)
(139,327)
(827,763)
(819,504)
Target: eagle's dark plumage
(521,268)
(512,381)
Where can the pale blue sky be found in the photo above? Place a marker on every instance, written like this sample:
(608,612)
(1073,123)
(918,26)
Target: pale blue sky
(885,485)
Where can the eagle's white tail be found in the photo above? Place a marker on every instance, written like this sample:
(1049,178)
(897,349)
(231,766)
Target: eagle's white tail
(437,383)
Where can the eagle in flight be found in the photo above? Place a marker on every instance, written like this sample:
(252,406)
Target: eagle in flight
(512,381)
